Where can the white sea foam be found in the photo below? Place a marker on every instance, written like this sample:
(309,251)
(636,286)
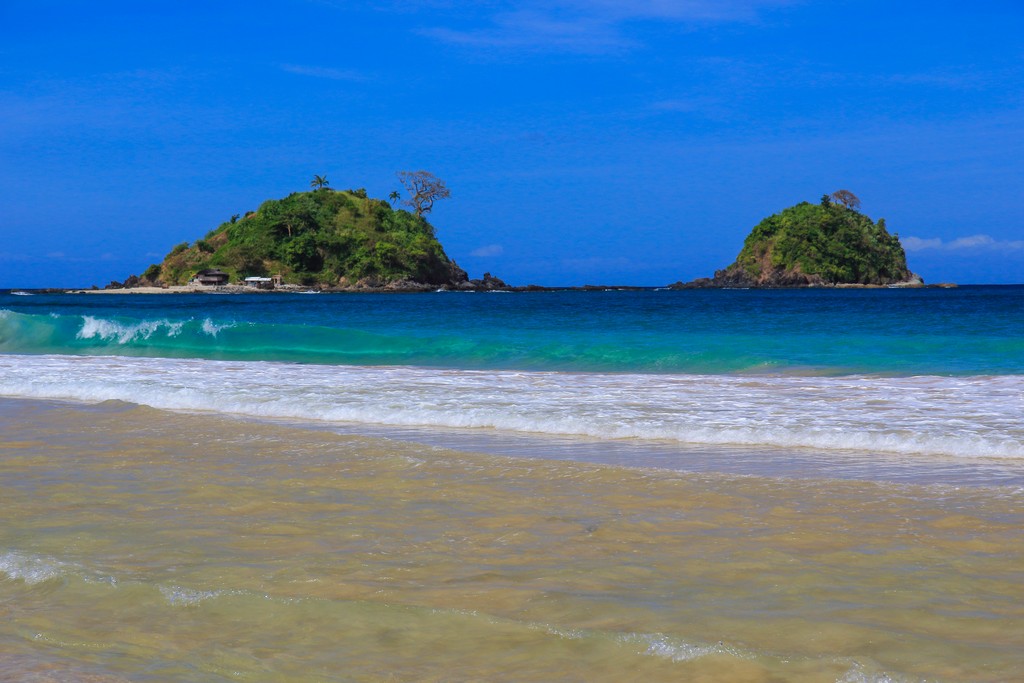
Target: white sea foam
(963,417)
(124,333)
(178,596)
(652,644)
(660,645)
(213,329)
(858,674)
(31,569)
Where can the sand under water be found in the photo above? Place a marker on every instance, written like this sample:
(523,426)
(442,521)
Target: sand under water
(141,544)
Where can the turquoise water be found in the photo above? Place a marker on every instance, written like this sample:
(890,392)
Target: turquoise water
(900,373)
(967,331)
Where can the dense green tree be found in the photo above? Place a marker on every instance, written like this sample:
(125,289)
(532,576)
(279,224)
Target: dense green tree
(829,241)
(318,238)
(152,273)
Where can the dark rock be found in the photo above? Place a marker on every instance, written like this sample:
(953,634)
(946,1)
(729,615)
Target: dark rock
(457,274)
(735,277)
(699,283)
(408,286)
(491,282)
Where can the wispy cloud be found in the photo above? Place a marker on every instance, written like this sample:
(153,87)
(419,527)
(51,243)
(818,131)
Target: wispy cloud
(55,256)
(938,80)
(324,72)
(535,30)
(678,10)
(487,250)
(61,256)
(969,243)
(696,104)
(589,26)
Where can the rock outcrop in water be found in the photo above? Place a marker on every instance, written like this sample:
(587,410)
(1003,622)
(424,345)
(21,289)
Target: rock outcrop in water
(325,239)
(813,245)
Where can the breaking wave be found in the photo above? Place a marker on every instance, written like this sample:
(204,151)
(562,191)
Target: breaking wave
(964,417)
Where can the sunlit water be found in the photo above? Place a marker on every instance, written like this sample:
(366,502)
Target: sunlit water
(693,486)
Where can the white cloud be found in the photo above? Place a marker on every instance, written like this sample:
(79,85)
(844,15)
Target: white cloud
(62,256)
(677,10)
(537,30)
(971,242)
(919,244)
(323,72)
(590,26)
(488,250)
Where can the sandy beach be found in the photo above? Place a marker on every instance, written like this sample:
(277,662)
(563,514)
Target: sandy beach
(189,289)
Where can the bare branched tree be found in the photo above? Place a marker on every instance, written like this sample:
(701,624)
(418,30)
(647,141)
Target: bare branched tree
(847,199)
(424,189)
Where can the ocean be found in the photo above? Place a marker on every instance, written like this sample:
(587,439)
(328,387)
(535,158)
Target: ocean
(698,485)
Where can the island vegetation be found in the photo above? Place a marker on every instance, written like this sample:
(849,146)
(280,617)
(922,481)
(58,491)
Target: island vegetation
(829,243)
(323,238)
(344,240)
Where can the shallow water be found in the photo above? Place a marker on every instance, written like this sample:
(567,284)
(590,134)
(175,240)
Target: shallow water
(966,418)
(141,544)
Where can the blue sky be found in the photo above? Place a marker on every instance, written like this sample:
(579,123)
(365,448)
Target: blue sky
(584,142)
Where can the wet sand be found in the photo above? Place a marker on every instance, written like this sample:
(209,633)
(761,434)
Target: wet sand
(146,544)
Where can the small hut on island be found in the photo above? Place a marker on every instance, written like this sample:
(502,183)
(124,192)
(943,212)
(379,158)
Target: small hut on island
(211,277)
(259,282)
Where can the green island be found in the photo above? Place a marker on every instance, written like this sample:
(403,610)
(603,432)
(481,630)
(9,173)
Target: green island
(323,238)
(814,245)
(346,240)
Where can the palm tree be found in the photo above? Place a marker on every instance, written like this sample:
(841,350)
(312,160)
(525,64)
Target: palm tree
(394,196)
(318,182)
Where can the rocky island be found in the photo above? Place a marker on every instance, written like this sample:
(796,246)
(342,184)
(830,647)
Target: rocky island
(322,239)
(815,245)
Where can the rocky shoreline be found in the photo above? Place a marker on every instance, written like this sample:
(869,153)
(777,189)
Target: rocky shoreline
(730,280)
(407,287)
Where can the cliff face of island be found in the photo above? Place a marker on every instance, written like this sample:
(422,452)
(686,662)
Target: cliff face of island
(323,238)
(808,245)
